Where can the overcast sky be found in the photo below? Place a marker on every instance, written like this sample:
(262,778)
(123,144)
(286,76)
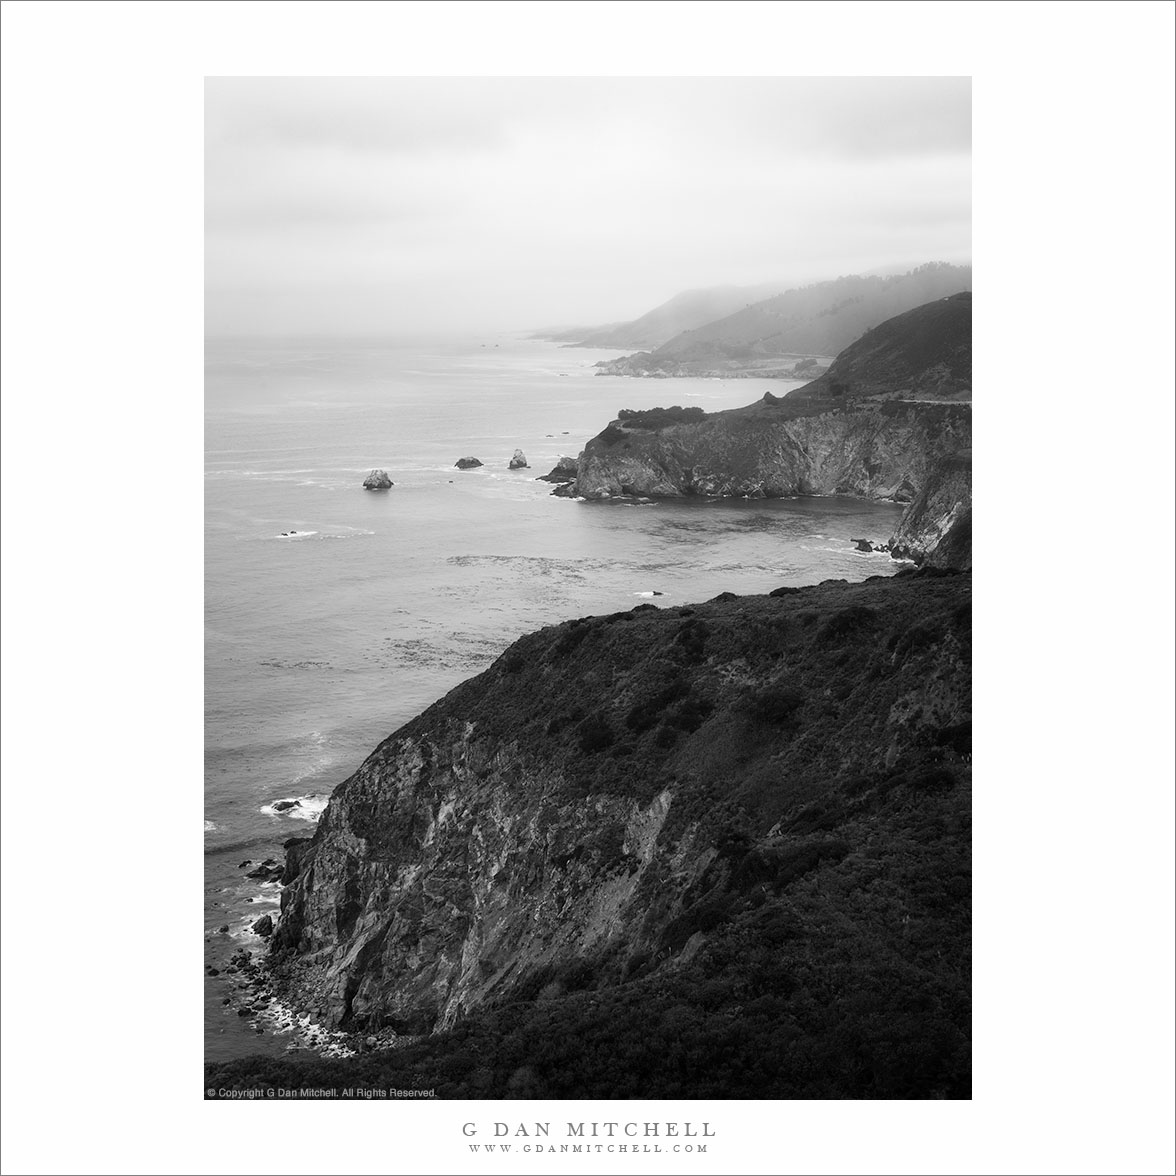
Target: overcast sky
(389,204)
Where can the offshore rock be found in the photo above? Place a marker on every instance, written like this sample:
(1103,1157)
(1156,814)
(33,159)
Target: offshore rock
(518,461)
(566,470)
(264,926)
(467,463)
(378,480)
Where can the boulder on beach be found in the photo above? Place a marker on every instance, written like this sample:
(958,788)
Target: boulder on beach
(567,469)
(264,926)
(467,463)
(518,462)
(378,480)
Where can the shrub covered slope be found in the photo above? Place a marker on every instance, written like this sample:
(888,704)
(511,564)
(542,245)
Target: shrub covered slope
(800,928)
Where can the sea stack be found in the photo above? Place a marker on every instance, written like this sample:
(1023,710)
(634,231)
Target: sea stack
(467,463)
(378,480)
(519,461)
(565,470)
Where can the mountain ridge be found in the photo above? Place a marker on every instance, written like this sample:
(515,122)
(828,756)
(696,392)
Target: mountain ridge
(815,322)
(684,311)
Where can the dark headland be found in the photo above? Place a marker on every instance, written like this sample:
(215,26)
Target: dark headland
(718,851)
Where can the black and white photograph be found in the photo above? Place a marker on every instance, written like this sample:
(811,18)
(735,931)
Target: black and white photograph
(509,466)
(588,597)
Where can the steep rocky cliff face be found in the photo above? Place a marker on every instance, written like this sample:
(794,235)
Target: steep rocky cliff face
(770,449)
(890,419)
(937,525)
(630,797)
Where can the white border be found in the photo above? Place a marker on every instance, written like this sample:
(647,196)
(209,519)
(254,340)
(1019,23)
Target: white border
(102,576)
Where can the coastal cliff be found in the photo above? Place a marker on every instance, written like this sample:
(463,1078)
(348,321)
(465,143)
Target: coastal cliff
(937,526)
(699,812)
(881,450)
(715,851)
(891,420)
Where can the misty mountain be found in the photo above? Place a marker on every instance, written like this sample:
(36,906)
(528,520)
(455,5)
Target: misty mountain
(683,312)
(818,320)
(924,354)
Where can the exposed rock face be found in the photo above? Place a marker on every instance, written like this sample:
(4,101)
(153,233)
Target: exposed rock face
(937,526)
(890,419)
(518,461)
(264,926)
(569,807)
(467,463)
(880,450)
(565,470)
(378,480)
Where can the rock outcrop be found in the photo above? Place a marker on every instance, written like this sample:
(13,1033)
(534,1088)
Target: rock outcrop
(467,463)
(571,811)
(518,461)
(936,527)
(771,449)
(378,480)
(566,470)
(891,419)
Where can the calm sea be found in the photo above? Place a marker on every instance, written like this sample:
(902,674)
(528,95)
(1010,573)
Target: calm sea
(335,614)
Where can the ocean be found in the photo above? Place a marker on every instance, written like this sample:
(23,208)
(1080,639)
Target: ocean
(334,614)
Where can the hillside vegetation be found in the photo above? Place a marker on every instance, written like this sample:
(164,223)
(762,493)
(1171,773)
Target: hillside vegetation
(778,789)
(816,321)
(683,312)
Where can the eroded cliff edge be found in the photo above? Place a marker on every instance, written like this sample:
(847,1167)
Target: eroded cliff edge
(746,794)
(772,449)
(891,419)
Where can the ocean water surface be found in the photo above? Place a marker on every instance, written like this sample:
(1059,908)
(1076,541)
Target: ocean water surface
(334,614)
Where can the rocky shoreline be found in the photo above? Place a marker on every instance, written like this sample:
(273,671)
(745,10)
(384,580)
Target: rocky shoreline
(644,366)
(545,837)
(263,997)
(563,821)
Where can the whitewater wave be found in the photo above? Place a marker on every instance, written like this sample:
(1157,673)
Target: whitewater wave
(297,808)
